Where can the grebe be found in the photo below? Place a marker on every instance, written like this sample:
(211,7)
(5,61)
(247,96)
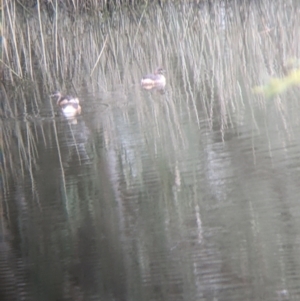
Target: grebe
(154,80)
(69,105)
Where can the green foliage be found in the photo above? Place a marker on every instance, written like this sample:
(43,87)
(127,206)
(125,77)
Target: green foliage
(278,85)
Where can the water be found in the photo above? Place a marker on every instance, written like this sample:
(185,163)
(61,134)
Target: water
(155,209)
(189,194)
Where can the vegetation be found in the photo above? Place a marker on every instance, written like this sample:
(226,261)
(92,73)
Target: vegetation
(215,53)
(277,85)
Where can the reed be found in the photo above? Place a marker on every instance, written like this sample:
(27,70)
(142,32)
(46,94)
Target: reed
(214,54)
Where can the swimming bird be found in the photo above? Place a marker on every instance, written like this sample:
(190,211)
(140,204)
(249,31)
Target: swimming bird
(157,79)
(69,105)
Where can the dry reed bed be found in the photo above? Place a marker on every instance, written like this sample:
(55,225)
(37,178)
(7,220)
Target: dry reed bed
(214,55)
(211,47)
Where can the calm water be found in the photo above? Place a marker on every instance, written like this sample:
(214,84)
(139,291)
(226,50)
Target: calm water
(158,209)
(151,196)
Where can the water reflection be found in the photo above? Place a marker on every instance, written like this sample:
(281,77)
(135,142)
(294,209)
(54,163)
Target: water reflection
(73,135)
(124,207)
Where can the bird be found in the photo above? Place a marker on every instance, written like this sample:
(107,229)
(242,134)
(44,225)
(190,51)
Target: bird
(69,105)
(157,79)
